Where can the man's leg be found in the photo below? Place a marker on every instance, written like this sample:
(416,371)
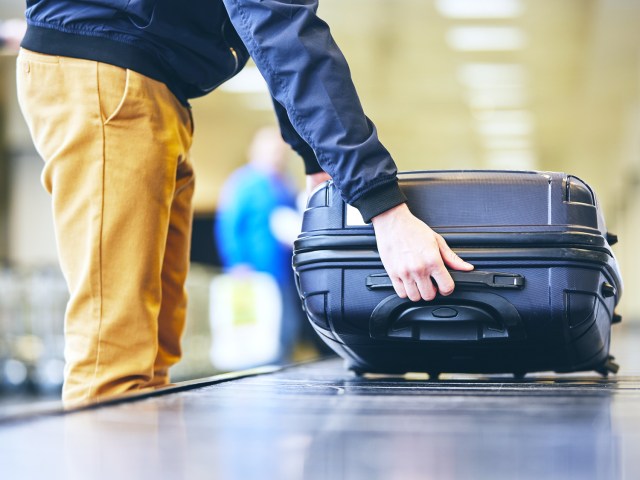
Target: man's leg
(112,141)
(171,321)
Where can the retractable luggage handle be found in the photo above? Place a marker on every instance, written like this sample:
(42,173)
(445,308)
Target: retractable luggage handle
(391,308)
(474,278)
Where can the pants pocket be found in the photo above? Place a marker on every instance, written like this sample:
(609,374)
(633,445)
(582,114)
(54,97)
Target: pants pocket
(113,86)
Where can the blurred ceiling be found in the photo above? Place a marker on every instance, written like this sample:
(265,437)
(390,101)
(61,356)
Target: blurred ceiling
(541,84)
(516,84)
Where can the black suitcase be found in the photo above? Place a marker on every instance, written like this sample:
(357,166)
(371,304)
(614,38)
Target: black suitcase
(542,295)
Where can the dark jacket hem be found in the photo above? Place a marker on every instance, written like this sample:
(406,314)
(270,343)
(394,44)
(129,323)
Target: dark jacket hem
(379,200)
(100,49)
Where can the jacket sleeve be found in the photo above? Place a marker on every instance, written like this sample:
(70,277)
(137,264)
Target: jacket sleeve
(296,142)
(308,75)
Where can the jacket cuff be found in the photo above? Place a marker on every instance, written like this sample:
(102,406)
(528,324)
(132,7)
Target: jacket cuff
(379,200)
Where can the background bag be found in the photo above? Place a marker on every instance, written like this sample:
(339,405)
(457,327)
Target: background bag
(245,315)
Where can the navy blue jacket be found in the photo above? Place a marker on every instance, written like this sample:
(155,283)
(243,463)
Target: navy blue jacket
(195,45)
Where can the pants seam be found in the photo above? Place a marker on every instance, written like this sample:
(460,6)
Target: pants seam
(98,296)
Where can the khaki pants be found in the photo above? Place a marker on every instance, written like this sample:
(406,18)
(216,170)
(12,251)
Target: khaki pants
(116,150)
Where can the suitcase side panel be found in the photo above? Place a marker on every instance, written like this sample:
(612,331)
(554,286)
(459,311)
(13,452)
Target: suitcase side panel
(565,320)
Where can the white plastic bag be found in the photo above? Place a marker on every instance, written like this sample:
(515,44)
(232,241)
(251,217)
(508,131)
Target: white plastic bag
(245,312)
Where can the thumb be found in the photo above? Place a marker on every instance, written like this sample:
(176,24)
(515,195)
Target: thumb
(451,258)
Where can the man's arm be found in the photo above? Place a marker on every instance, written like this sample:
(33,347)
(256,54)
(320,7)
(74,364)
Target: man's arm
(293,138)
(308,76)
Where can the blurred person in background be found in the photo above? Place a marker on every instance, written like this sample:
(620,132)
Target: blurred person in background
(104,86)
(256,224)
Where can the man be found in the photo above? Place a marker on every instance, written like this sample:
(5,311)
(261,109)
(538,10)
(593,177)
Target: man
(104,87)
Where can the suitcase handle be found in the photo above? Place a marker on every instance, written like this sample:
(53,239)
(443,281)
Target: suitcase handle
(474,278)
(492,315)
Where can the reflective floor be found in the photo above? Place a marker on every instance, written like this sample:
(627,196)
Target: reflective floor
(317,421)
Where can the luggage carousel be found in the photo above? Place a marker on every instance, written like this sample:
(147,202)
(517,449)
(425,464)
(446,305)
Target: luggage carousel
(319,421)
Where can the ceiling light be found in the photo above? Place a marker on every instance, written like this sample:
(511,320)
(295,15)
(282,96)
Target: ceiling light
(494,85)
(483,75)
(502,123)
(500,128)
(486,38)
(507,143)
(479,8)
(504,116)
(501,97)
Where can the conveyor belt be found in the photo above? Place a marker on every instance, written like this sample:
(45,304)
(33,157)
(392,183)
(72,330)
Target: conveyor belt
(318,421)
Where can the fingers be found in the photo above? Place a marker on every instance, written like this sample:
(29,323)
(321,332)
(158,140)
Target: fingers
(418,284)
(433,278)
(414,291)
(398,286)
(451,258)
(426,289)
(407,288)
(444,281)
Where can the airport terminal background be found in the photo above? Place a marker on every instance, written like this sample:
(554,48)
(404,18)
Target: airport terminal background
(451,84)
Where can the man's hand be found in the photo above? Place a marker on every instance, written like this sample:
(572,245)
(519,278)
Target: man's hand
(414,256)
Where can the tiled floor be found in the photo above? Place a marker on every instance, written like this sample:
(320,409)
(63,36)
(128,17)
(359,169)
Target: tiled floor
(317,421)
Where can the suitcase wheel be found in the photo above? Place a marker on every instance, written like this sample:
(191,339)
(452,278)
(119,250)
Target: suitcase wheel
(609,366)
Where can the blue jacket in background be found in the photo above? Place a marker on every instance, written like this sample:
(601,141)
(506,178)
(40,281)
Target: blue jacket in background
(243,224)
(195,45)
